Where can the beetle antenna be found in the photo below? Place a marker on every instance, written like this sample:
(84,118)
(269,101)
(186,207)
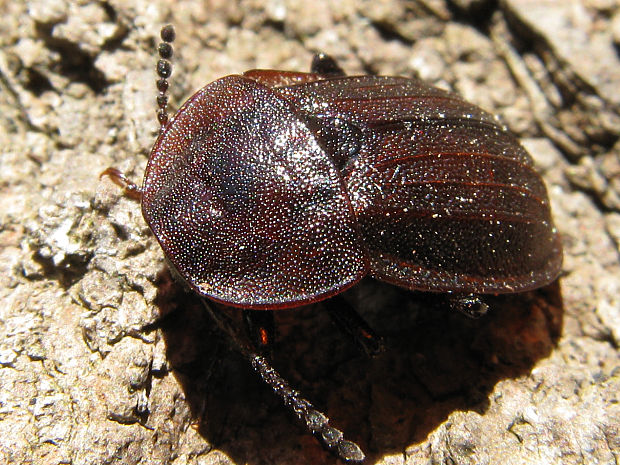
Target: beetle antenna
(164,70)
(315,421)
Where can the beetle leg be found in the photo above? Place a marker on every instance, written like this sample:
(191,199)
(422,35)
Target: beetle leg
(130,189)
(315,421)
(352,324)
(326,66)
(471,305)
(260,328)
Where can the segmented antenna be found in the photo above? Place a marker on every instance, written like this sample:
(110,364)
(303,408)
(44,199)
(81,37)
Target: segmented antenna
(164,70)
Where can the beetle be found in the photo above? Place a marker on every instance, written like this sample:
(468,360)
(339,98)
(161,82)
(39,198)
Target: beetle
(274,189)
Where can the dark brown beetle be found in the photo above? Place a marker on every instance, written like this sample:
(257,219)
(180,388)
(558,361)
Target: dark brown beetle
(273,189)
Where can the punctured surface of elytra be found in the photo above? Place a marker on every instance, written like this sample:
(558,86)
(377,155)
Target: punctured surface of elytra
(274,189)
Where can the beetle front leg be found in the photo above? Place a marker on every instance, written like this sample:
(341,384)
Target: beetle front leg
(351,323)
(260,327)
(130,189)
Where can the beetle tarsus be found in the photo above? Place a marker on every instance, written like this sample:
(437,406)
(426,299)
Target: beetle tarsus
(119,178)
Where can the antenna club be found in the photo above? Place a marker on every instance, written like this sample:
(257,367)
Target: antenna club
(164,71)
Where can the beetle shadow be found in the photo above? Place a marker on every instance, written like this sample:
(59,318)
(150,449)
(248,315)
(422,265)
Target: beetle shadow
(436,362)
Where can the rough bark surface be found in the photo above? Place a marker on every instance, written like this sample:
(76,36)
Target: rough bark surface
(104,359)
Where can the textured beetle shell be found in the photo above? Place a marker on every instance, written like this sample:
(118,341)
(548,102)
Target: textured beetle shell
(271,190)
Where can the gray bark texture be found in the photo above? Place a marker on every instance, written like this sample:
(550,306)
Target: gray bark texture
(105,359)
